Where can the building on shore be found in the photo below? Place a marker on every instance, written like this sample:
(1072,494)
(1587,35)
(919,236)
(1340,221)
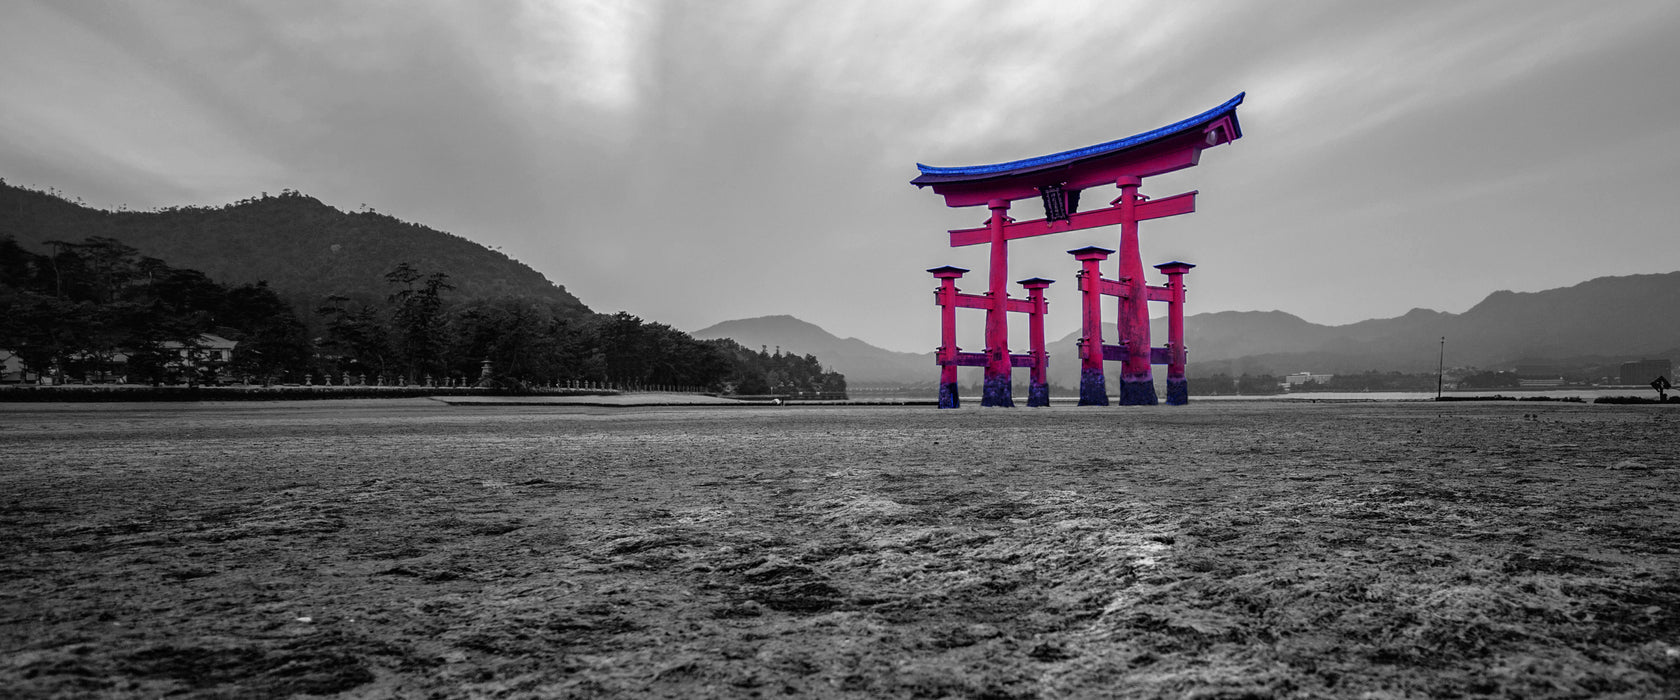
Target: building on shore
(207,352)
(1299,378)
(1646,371)
(1537,376)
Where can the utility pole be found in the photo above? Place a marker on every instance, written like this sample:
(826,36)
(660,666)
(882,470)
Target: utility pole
(1440,368)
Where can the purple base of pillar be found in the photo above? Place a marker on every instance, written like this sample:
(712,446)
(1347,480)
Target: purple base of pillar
(1138,392)
(1178,391)
(1093,389)
(948,396)
(998,393)
(1038,395)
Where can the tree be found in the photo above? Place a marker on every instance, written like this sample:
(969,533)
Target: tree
(521,337)
(272,340)
(356,337)
(17,266)
(43,330)
(418,320)
(110,268)
(764,372)
(1213,385)
(1262,384)
(621,342)
(1490,380)
(752,383)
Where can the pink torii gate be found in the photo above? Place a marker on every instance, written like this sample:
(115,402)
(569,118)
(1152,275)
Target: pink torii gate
(1057,180)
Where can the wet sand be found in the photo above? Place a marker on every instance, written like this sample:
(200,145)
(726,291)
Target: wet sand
(400,548)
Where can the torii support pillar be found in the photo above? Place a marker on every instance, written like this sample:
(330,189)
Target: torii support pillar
(1093,388)
(1038,390)
(1178,388)
(946,297)
(950,357)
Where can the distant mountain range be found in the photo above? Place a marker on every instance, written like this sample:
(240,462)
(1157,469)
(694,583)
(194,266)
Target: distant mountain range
(303,248)
(849,356)
(307,250)
(1601,321)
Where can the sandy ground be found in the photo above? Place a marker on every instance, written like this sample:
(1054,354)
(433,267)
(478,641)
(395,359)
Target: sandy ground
(406,548)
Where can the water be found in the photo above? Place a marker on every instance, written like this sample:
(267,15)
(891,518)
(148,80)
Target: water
(1067,399)
(1586,395)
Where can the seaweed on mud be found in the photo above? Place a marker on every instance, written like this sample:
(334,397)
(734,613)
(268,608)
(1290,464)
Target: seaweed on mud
(805,598)
(992,511)
(196,667)
(437,571)
(317,664)
(379,547)
(276,527)
(1050,652)
(737,611)
(1542,563)
(188,573)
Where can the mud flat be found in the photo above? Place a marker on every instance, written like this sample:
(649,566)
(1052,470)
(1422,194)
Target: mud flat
(1220,550)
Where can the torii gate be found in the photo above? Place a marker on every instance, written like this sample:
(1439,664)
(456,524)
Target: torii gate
(1058,179)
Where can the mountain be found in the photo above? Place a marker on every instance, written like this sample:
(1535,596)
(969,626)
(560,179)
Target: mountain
(861,362)
(1601,321)
(1607,318)
(303,248)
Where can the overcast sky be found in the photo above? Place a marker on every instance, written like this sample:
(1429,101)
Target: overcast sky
(704,161)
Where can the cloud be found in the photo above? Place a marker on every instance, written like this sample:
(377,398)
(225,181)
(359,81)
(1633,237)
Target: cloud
(106,109)
(752,157)
(584,54)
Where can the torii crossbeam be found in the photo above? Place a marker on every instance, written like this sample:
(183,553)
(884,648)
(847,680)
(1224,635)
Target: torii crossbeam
(1058,179)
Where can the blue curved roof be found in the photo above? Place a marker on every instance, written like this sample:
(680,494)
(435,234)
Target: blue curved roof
(1081,153)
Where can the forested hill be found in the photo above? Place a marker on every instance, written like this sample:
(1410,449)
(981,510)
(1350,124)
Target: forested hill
(303,248)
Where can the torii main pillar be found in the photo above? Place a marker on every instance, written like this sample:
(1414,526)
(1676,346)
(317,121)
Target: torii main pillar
(998,389)
(1057,180)
(1137,383)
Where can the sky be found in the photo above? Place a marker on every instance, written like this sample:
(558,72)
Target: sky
(696,162)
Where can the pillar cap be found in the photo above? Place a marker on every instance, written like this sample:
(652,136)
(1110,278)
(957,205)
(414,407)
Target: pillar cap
(1174,267)
(948,271)
(1091,252)
(1036,283)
